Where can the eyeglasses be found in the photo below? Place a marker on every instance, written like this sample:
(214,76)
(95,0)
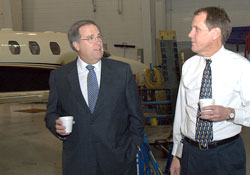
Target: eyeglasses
(91,39)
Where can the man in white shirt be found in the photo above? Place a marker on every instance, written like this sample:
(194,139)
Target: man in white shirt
(225,154)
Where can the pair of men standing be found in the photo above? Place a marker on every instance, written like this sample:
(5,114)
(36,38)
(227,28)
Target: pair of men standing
(105,141)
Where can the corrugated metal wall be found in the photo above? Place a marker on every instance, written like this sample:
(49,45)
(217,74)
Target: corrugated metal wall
(122,21)
(58,15)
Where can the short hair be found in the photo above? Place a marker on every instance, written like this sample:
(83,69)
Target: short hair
(217,17)
(73,33)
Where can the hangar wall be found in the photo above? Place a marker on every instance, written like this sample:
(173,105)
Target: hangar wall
(132,22)
(11,14)
(122,21)
(119,24)
(182,13)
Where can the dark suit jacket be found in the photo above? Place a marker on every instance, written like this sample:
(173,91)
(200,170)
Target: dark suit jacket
(109,137)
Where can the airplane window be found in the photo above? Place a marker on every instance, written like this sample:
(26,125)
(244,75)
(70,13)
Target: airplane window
(14,47)
(34,48)
(55,48)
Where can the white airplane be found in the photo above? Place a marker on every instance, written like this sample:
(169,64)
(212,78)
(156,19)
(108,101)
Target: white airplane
(26,59)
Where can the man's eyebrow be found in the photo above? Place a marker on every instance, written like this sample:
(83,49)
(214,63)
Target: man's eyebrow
(196,27)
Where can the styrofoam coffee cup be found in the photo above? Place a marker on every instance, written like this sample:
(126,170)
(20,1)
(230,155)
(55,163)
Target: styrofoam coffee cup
(67,122)
(206,102)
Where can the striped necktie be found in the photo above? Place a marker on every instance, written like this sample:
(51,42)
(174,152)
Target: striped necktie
(92,87)
(204,128)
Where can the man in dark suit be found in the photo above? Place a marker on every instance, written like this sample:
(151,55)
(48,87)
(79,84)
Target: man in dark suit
(105,140)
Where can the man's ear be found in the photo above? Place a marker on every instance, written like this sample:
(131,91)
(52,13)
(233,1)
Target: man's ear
(76,45)
(216,33)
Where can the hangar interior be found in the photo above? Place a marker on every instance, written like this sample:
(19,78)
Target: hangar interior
(151,32)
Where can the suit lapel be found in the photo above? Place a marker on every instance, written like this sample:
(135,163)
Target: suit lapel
(106,74)
(73,79)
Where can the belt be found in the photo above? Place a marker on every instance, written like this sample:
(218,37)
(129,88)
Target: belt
(212,144)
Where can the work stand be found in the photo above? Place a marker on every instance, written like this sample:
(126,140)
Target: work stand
(146,162)
(157,110)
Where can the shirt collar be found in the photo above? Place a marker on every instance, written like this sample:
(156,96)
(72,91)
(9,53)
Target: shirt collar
(82,65)
(216,55)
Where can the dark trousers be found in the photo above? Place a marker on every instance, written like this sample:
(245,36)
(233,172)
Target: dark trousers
(226,159)
(129,170)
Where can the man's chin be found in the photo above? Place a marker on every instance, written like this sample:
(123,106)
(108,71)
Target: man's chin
(99,53)
(98,57)
(194,49)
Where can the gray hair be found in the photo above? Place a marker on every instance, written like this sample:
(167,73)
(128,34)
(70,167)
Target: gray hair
(73,33)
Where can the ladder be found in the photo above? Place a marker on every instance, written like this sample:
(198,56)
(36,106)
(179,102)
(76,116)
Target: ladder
(146,162)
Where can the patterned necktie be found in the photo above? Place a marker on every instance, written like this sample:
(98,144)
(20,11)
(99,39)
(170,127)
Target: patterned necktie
(204,128)
(92,86)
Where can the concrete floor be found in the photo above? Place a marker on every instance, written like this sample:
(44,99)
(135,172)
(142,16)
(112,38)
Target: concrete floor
(28,148)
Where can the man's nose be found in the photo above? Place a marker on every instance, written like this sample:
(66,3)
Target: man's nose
(191,34)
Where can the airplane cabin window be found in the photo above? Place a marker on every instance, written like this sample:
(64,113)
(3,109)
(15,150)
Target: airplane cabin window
(34,48)
(55,48)
(14,47)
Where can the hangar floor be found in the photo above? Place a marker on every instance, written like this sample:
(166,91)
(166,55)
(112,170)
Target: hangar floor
(28,148)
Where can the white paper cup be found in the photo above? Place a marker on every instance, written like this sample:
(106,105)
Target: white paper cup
(67,122)
(206,102)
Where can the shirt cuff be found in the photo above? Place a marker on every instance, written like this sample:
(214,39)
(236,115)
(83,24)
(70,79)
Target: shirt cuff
(238,119)
(62,137)
(177,149)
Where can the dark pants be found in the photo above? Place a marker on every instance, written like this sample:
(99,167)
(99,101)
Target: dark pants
(130,170)
(226,159)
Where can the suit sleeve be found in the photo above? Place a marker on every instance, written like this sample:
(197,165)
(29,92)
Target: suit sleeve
(52,113)
(136,117)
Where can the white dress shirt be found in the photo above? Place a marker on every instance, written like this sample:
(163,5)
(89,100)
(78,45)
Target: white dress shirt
(83,74)
(230,88)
